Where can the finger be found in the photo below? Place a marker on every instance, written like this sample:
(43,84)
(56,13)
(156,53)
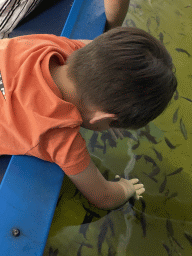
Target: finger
(138,186)
(140,191)
(133,181)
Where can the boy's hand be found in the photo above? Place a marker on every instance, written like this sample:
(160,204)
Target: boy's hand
(131,187)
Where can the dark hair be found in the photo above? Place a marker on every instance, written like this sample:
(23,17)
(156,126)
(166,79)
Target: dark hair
(126,72)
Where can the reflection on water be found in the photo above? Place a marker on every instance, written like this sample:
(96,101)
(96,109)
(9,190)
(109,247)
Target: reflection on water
(159,155)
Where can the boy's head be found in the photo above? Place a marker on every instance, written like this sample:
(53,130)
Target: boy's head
(125,73)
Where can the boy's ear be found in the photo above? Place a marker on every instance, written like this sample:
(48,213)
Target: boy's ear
(100,116)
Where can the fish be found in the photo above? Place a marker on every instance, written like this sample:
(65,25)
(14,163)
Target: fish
(83,229)
(187,6)
(163,185)
(177,243)
(133,23)
(167,249)
(116,133)
(148,24)
(143,223)
(80,248)
(110,222)
(183,129)
(111,252)
(182,50)
(172,195)
(159,156)
(158,21)
(154,172)
(178,13)
(91,213)
(137,157)
(161,36)
(53,253)
(127,25)
(176,172)
(136,146)
(134,5)
(189,237)
(143,204)
(105,148)
(169,144)
(99,146)
(113,134)
(129,135)
(150,177)
(85,225)
(148,136)
(149,159)
(176,95)
(93,140)
(182,34)
(167,192)
(127,209)
(108,136)
(186,98)
(139,6)
(147,128)
(169,227)
(102,235)
(175,116)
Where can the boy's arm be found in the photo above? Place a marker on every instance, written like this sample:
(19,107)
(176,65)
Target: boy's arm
(100,192)
(97,189)
(116,11)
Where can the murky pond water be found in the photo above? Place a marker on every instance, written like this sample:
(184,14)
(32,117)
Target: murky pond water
(159,155)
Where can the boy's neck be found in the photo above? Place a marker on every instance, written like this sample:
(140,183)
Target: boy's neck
(58,73)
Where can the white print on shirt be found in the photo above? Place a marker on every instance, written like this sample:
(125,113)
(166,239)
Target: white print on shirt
(2,87)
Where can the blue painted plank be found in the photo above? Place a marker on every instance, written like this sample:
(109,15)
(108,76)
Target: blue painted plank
(86,20)
(28,197)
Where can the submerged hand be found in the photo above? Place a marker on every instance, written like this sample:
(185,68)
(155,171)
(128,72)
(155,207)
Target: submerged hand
(131,187)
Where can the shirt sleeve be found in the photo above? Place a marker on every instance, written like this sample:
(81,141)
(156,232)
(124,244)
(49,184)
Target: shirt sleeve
(65,147)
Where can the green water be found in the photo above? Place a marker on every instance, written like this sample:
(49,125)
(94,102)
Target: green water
(161,222)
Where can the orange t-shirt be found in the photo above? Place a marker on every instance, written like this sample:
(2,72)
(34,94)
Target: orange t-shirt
(34,119)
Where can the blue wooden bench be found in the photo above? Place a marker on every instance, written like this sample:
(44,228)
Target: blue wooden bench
(30,187)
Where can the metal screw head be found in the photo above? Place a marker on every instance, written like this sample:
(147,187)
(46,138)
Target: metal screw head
(15,232)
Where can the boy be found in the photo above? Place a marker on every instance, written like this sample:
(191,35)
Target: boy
(41,114)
